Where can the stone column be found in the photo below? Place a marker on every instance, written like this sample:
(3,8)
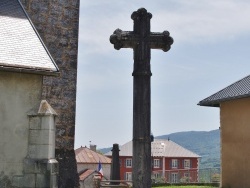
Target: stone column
(115,166)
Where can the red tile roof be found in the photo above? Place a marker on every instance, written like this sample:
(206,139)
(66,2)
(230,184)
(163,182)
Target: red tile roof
(85,155)
(85,174)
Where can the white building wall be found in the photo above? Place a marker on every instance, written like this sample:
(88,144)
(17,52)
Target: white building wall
(19,93)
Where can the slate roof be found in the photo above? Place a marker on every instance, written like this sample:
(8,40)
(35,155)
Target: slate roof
(21,47)
(159,148)
(86,155)
(237,90)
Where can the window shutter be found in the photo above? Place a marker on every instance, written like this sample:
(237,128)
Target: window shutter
(191,163)
(170,164)
(183,163)
(178,163)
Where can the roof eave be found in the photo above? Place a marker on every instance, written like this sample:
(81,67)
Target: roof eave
(209,104)
(216,103)
(30,71)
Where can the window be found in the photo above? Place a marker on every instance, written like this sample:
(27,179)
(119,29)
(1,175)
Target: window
(156,163)
(128,176)
(174,163)
(186,175)
(174,178)
(187,163)
(157,175)
(128,163)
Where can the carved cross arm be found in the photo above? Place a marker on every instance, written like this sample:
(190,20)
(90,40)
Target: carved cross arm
(123,39)
(161,41)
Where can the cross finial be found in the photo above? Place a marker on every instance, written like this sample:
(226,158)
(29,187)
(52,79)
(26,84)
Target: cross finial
(141,33)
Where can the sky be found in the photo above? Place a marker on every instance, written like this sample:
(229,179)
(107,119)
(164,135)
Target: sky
(210,51)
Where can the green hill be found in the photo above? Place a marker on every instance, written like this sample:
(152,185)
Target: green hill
(206,144)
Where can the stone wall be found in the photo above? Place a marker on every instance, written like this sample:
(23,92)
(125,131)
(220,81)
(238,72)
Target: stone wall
(21,93)
(40,169)
(27,136)
(57,23)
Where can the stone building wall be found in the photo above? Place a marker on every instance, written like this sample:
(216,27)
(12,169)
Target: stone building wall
(15,102)
(57,23)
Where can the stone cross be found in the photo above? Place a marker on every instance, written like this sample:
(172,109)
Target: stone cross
(142,41)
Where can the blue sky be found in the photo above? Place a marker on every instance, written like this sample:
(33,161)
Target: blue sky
(210,51)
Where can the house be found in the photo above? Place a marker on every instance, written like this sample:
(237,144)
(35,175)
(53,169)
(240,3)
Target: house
(27,135)
(170,162)
(87,165)
(234,104)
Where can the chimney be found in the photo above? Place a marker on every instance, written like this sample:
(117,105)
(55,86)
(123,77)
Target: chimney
(93,147)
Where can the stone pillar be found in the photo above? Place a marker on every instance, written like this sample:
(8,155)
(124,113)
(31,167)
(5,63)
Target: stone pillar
(40,166)
(42,133)
(115,166)
(57,23)
(96,182)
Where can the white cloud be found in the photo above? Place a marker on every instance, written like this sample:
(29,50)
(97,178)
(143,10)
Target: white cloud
(196,21)
(188,21)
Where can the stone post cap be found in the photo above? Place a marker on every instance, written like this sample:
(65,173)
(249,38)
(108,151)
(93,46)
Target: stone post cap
(42,109)
(46,109)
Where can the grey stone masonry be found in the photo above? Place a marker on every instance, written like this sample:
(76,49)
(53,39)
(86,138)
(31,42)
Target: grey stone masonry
(42,133)
(57,23)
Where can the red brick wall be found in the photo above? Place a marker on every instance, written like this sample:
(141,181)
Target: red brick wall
(181,170)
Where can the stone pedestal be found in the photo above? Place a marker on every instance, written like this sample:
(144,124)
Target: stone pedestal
(40,166)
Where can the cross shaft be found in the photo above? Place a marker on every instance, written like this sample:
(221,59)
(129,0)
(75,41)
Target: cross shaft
(141,40)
